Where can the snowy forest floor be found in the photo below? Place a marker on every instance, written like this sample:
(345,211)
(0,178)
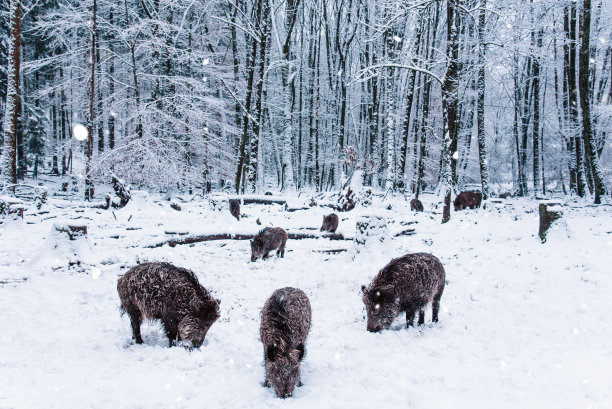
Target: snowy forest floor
(522,324)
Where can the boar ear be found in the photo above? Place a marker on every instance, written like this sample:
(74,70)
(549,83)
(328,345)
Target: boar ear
(364,289)
(272,352)
(218,301)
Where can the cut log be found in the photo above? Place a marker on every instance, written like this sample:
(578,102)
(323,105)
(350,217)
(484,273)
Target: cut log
(73,231)
(549,213)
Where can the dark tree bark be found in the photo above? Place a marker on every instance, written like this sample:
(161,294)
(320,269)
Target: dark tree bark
(568,132)
(480,114)
(585,102)
(111,89)
(412,76)
(89,188)
(573,103)
(537,42)
(450,101)
(11,117)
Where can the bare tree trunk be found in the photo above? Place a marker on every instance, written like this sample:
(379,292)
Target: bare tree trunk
(9,151)
(412,75)
(573,103)
(585,102)
(139,128)
(568,123)
(111,90)
(250,68)
(480,114)
(288,85)
(537,42)
(450,103)
(89,188)
(254,167)
(99,104)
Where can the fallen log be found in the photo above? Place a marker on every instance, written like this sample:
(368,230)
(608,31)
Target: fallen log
(331,251)
(197,239)
(235,236)
(245,200)
(73,231)
(407,232)
(331,236)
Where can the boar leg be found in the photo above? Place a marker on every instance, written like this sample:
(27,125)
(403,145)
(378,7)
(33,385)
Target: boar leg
(172,334)
(266,255)
(435,307)
(421,317)
(410,317)
(281,251)
(136,320)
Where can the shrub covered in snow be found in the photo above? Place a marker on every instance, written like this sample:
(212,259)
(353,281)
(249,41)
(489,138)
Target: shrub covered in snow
(218,201)
(371,228)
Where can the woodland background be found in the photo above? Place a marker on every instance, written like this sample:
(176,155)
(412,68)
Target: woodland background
(256,95)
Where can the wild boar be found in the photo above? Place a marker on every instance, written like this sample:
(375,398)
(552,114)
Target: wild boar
(285,323)
(173,295)
(330,223)
(234,205)
(407,284)
(468,199)
(268,239)
(415,204)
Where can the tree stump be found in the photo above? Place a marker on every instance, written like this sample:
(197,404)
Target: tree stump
(17,210)
(549,213)
(73,231)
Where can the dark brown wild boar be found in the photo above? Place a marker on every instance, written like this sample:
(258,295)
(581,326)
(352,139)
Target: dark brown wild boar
(268,239)
(415,204)
(468,199)
(285,323)
(330,223)
(234,205)
(170,294)
(407,284)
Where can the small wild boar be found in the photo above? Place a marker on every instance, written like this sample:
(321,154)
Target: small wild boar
(330,223)
(268,239)
(234,205)
(415,204)
(468,199)
(170,294)
(285,323)
(407,284)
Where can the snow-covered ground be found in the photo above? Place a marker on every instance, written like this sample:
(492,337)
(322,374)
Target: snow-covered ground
(522,324)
